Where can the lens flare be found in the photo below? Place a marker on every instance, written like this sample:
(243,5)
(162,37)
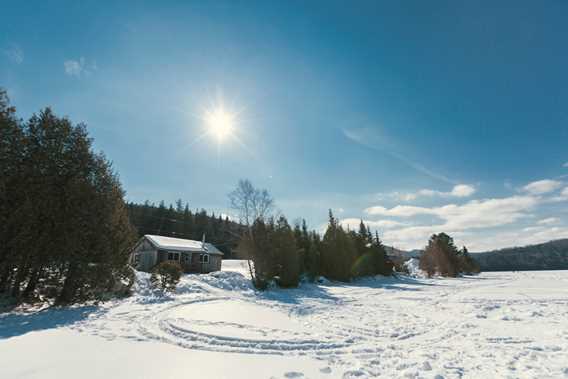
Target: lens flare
(220,123)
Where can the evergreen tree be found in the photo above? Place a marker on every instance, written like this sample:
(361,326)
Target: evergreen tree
(312,263)
(64,230)
(467,264)
(338,252)
(286,254)
(440,256)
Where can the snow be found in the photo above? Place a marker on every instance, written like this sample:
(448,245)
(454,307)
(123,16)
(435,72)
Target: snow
(179,244)
(413,267)
(492,325)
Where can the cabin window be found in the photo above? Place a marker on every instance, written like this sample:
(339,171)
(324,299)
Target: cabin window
(173,256)
(136,259)
(187,258)
(204,258)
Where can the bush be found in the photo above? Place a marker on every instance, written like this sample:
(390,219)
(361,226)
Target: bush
(166,275)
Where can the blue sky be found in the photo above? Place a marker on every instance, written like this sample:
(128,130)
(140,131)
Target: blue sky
(415,116)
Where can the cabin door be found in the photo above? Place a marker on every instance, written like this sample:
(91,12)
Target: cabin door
(204,261)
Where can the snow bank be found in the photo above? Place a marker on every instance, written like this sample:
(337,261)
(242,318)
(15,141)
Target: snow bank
(413,267)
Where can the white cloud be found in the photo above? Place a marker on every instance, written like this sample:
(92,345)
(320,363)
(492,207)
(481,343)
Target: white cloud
(483,224)
(455,219)
(474,214)
(542,187)
(549,221)
(565,165)
(14,53)
(463,190)
(460,190)
(500,240)
(563,196)
(78,68)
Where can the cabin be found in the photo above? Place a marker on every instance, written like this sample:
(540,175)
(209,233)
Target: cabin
(193,256)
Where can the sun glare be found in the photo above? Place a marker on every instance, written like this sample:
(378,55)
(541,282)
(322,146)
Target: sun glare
(220,123)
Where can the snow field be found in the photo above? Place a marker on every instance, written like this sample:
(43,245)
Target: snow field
(495,325)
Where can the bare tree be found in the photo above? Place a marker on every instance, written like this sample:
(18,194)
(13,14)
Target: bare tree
(251,204)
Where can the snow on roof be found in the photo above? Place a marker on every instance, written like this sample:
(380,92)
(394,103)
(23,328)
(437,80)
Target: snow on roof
(179,244)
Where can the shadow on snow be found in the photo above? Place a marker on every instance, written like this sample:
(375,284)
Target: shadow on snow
(17,324)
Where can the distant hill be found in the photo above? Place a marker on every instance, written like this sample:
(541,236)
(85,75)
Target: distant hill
(399,256)
(551,255)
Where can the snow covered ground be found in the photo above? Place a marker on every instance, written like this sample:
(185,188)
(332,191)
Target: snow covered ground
(496,325)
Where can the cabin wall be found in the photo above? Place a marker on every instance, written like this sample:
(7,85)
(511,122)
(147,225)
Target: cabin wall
(215,262)
(146,255)
(147,260)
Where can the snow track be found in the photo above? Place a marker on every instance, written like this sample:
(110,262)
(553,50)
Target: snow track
(168,326)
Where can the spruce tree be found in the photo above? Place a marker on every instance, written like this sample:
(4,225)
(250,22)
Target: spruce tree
(286,254)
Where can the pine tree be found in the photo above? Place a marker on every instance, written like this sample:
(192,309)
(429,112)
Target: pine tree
(440,256)
(65,231)
(286,254)
(338,252)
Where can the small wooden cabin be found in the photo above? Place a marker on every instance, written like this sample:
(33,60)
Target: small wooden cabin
(193,256)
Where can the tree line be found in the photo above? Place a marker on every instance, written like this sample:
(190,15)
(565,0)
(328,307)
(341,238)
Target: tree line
(64,229)
(283,254)
(178,220)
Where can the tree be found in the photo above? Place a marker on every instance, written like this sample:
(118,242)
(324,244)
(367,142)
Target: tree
(338,252)
(64,231)
(259,245)
(440,256)
(251,203)
(312,262)
(286,254)
(371,254)
(253,206)
(467,264)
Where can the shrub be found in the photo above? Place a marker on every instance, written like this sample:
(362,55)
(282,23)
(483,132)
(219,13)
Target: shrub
(166,275)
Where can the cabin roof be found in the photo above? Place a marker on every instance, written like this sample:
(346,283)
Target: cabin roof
(179,244)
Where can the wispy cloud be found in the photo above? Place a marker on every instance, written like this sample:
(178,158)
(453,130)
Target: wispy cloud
(565,165)
(79,67)
(549,221)
(14,53)
(368,138)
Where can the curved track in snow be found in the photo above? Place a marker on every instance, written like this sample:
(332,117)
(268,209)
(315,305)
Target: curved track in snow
(495,325)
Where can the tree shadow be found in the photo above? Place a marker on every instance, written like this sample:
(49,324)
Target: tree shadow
(17,324)
(321,291)
(398,282)
(298,295)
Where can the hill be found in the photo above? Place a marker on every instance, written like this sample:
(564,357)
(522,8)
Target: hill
(551,255)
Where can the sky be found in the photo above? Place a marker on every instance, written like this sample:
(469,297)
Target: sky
(417,117)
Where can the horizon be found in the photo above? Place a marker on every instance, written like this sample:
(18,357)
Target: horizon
(376,112)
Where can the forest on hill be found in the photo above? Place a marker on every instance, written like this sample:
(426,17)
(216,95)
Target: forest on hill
(551,255)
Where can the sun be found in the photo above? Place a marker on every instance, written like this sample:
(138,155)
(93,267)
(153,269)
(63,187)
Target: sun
(220,123)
